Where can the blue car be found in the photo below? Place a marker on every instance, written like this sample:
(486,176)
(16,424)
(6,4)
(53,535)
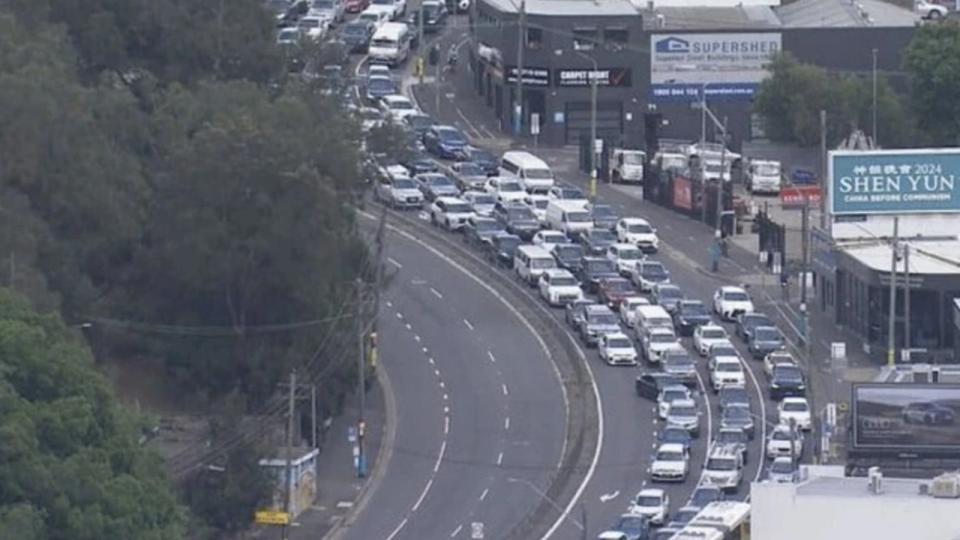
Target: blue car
(631,526)
(445,142)
(675,434)
(378,87)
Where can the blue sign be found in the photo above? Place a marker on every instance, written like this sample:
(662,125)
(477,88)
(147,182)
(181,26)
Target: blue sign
(912,181)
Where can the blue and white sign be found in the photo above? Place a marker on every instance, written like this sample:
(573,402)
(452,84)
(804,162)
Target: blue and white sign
(915,181)
(722,66)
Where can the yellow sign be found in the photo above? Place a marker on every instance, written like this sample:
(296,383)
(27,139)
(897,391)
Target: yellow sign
(270,517)
(842,406)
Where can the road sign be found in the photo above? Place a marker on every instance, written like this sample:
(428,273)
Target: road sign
(351,434)
(271,517)
(838,351)
(476,530)
(534,123)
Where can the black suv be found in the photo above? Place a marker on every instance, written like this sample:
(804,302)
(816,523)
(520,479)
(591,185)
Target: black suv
(689,315)
(786,381)
(595,269)
(517,218)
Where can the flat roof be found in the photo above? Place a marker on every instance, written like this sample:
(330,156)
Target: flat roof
(907,488)
(567,8)
(669,18)
(936,257)
(843,14)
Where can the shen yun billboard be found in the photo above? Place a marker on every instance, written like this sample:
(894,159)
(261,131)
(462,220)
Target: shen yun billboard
(914,181)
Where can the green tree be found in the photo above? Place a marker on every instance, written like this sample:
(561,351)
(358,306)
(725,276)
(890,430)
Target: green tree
(933,61)
(227,497)
(70,464)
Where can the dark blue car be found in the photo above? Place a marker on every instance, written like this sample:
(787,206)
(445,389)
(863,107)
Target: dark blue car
(445,142)
(484,158)
(378,87)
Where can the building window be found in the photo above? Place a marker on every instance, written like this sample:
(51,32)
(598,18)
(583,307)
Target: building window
(584,39)
(619,36)
(534,38)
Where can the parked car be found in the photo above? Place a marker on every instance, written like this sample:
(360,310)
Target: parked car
(689,315)
(765,340)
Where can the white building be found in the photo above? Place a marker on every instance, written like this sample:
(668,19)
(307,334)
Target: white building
(829,506)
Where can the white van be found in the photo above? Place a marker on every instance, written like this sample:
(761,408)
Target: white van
(570,217)
(390,44)
(531,261)
(653,316)
(534,174)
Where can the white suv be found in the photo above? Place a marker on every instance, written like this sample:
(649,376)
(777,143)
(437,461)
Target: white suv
(729,302)
(558,287)
(726,370)
(637,231)
(671,463)
(451,213)
(796,409)
(654,504)
(706,335)
(624,256)
(784,442)
(657,341)
(617,350)
(723,468)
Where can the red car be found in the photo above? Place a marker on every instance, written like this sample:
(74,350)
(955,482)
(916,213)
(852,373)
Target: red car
(356,6)
(612,291)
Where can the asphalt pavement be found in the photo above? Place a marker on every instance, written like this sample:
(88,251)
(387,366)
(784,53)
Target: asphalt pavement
(480,412)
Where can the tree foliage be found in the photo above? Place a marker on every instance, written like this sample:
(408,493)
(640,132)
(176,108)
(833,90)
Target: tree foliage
(933,61)
(791,99)
(226,497)
(71,466)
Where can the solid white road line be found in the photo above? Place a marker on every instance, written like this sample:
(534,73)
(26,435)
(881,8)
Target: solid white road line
(394,262)
(763,415)
(499,459)
(504,388)
(506,424)
(492,357)
(706,399)
(443,450)
(484,494)
(398,529)
(446,425)
(456,531)
(436,293)
(466,322)
(423,494)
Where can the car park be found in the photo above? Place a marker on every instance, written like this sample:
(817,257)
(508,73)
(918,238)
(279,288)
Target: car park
(704,495)
(684,413)
(597,320)
(739,417)
(730,302)
(765,340)
(638,231)
(617,350)
(776,358)
(689,315)
(731,394)
(628,309)
(786,381)
(675,435)
(726,370)
(670,393)
(530,262)
(666,295)
(783,470)
(647,274)
(501,249)
(450,213)
(558,287)
(445,142)
(613,290)
(434,185)
(517,218)
(481,202)
(723,468)
(795,410)
(505,189)
(484,158)
(575,313)
(479,231)
(784,441)
(677,362)
(654,504)
(671,463)
(735,439)
(603,216)
(656,342)
(593,270)
(547,239)
(401,192)
(746,322)
(397,107)
(569,257)
(468,176)
(627,527)
(625,256)
(707,335)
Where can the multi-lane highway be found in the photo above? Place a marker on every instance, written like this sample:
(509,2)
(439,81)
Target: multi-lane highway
(481,412)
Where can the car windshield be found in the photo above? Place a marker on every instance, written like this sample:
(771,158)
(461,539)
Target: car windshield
(728,367)
(782,466)
(631,523)
(732,436)
(439,181)
(419,121)
(734,395)
(767,334)
(509,187)
(486,225)
(669,455)
(632,159)
(754,320)
(431,9)
(676,435)
(322,4)
(450,135)
(604,319)
(795,406)
(400,105)
(308,23)
(680,362)
(768,169)
(721,464)
(670,395)
(357,29)
(602,235)
(670,293)
(603,211)
(735,296)
(683,410)
(598,266)
(736,413)
(781,435)
(382,2)
(370,114)
(704,495)
(552,238)
(579,217)
(563,281)
(483,199)
(619,343)
(569,252)
(459,208)
(543,263)
(404,183)
(509,243)
(617,285)
(382,84)
(790,373)
(640,228)
(470,169)
(722,350)
(714,333)
(289,34)
(537,174)
(648,500)
(571,193)
(662,338)
(520,214)
(653,271)
(479,154)
(539,204)
(629,254)
(693,309)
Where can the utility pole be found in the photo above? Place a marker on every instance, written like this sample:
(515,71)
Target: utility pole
(876,140)
(702,163)
(906,295)
(593,134)
(720,181)
(313,414)
(521,44)
(824,170)
(891,330)
(288,474)
(437,81)
(420,43)
(805,247)
(361,381)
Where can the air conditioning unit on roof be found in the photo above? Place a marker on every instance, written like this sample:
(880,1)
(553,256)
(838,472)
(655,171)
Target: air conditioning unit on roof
(946,486)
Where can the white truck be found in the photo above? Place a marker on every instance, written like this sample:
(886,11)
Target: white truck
(763,176)
(626,165)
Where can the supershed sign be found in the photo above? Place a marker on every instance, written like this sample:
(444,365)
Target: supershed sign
(729,65)
(915,181)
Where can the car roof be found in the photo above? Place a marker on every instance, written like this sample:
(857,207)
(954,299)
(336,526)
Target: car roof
(634,221)
(395,97)
(616,335)
(794,399)
(451,200)
(712,326)
(557,272)
(674,447)
(547,232)
(731,288)
(651,492)
(675,387)
(684,403)
(722,450)
(598,308)
(661,330)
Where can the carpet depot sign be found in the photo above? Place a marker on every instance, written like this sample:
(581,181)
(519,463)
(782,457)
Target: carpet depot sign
(916,181)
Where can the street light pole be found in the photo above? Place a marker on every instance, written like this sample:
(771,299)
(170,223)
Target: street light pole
(521,44)
(892,323)
(702,164)
(593,121)
(723,163)
(876,140)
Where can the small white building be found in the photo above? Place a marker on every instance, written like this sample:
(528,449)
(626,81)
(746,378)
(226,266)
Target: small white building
(828,506)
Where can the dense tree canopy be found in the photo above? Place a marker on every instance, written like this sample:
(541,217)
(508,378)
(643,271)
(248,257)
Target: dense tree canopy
(933,61)
(71,466)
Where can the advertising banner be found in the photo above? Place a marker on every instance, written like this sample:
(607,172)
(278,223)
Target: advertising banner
(532,76)
(682,193)
(723,66)
(798,196)
(915,181)
(906,417)
(585,77)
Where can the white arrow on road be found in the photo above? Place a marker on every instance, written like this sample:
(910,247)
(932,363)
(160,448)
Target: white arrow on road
(609,496)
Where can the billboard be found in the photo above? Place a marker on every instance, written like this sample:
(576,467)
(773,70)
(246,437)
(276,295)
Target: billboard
(906,417)
(915,181)
(728,65)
